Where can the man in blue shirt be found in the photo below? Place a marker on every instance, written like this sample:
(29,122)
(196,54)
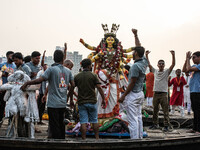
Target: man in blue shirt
(18,60)
(34,64)
(194,87)
(6,68)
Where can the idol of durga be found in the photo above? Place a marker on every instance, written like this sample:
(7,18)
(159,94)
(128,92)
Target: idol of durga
(109,58)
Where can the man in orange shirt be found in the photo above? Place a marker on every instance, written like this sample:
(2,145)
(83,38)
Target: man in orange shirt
(149,88)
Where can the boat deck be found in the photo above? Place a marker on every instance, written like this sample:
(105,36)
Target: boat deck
(156,138)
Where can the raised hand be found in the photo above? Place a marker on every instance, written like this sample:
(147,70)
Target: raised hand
(65,45)
(134,31)
(147,52)
(82,41)
(188,55)
(172,52)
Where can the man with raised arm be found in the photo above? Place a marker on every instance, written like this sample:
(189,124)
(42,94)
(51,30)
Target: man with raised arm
(133,97)
(194,87)
(160,91)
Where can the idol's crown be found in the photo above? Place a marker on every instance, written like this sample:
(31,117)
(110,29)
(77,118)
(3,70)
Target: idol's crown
(113,32)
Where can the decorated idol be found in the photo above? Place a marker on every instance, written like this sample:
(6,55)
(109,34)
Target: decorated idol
(109,58)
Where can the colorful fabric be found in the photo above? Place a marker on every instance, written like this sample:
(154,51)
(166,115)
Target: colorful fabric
(177,94)
(6,67)
(149,84)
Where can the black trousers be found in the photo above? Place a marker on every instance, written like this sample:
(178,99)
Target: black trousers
(2,105)
(195,103)
(41,106)
(56,122)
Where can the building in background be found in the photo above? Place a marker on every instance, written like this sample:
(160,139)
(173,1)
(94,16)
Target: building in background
(48,60)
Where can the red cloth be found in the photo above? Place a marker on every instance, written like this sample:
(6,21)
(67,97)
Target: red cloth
(177,96)
(149,84)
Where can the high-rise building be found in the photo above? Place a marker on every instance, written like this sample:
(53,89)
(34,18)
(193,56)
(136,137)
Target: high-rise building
(48,60)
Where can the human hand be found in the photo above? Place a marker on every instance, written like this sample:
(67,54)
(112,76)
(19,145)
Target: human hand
(44,52)
(172,52)
(121,99)
(71,104)
(44,98)
(188,55)
(82,41)
(65,45)
(33,74)
(103,104)
(147,52)
(23,87)
(134,31)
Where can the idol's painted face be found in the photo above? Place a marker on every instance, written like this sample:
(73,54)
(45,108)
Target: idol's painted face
(110,40)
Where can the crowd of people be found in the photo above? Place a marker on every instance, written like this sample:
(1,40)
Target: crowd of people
(57,87)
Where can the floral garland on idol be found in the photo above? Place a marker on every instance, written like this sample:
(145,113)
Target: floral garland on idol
(114,64)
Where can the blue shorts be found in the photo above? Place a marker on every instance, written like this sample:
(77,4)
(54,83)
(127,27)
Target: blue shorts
(88,113)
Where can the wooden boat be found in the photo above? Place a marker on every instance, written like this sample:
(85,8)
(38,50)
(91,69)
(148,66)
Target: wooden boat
(157,139)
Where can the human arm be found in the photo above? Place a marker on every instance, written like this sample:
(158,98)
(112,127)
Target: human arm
(184,66)
(137,41)
(42,62)
(65,51)
(103,104)
(128,90)
(32,82)
(88,46)
(173,61)
(147,57)
(44,98)
(71,91)
(189,68)
(183,80)
(170,82)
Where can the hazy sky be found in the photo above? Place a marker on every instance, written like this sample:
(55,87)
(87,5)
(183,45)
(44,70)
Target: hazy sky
(28,25)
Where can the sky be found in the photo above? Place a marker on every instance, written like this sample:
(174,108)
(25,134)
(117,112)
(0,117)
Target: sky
(163,25)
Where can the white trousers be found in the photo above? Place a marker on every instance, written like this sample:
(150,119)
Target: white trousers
(149,101)
(133,105)
(187,99)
